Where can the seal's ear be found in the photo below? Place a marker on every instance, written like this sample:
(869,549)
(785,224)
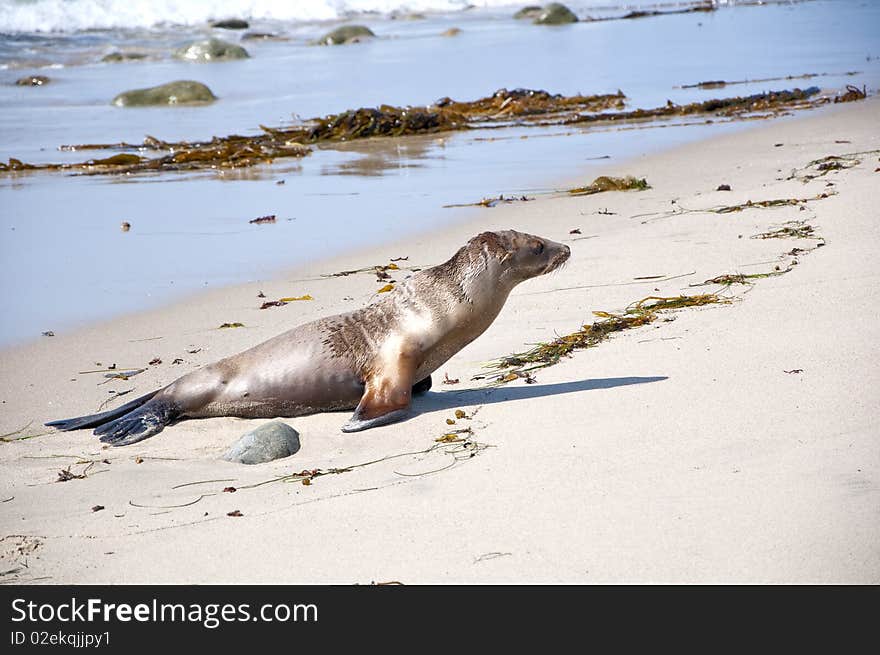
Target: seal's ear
(494,244)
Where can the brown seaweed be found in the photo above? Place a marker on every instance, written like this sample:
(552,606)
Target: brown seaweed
(504,108)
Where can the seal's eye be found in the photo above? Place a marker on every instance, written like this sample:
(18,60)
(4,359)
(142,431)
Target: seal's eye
(538,248)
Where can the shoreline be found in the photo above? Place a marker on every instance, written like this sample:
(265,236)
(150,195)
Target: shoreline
(660,446)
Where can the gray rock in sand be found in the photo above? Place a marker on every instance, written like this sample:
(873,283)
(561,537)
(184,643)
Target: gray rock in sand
(211,50)
(556,14)
(182,92)
(266,443)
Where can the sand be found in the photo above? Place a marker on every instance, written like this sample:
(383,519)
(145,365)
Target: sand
(737,443)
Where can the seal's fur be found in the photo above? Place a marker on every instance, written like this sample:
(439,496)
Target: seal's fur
(372,359)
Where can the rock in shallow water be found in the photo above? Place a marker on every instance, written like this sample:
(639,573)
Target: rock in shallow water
(32,80)
(117,57)
(529,11)
(211,50)
(346,34)
(264,444)
(231,24)
(182,92)
(556,14)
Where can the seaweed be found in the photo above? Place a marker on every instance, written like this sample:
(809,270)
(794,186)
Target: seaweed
(790,230)
(637,314)
(824,165)
(605,183)
(732,209)
(729,280)
(720,84)
(504,108)
(490,202)
(852,94)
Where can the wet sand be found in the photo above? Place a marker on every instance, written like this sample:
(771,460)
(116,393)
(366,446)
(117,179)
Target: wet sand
(735,443)
(67,264)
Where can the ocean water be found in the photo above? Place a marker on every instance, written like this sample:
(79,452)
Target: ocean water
(66,263)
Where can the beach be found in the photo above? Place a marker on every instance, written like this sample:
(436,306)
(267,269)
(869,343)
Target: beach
(735,442)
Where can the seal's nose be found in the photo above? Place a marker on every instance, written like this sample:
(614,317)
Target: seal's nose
(566,251)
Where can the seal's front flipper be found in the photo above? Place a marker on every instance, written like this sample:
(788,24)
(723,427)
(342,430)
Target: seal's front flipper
(386,399)
(139,424)
(422,387)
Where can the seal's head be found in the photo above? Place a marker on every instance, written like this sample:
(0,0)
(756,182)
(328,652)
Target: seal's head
(522,256)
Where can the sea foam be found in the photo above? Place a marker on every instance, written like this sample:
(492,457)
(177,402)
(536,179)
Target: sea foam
(23,16)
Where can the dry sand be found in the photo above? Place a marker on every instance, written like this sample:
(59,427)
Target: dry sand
(737,443)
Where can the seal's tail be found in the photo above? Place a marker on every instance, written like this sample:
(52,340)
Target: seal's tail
(127,424)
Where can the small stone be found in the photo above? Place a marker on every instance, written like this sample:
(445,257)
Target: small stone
(182,92)
(32,80)
(211,50)
(723,187)
(452,31)
(125,227)
(556,14)
(231,24)
(346,34)
(266,443)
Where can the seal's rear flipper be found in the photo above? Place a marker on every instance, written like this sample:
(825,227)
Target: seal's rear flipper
(94,420)
(139,424)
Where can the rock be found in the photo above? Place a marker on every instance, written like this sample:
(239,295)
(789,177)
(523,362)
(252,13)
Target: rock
(346,34)
(556,14)
(32,80)
(407,15)
(211,50)
(261,36)
(264,444)
(231,24)
(181,92)
(452,31)
(116,57)
(530,11)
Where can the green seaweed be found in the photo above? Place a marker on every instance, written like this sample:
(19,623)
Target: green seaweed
(637,314)
(605,183)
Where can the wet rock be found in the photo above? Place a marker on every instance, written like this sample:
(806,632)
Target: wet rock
(181,92)
(556,14)
(261,36)
(452,31)
(32,80)
(264,444)
(407,15)
(231,24)
(530,11)
(211,50)
(117,57)
(346,34)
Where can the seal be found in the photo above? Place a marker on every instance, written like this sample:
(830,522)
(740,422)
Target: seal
(372,359)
